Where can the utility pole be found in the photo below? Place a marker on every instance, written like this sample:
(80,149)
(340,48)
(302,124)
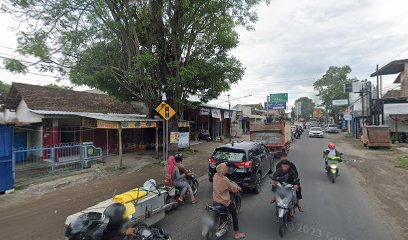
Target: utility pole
(230,120)
(229,110)
(362,103)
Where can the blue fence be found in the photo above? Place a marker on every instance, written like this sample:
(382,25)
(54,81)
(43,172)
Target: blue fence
(36,162)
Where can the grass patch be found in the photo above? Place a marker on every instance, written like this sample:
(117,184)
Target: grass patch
(21,187)
(403,162)
(348,135)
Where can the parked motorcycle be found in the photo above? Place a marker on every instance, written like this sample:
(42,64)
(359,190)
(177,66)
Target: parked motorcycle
(204,135)
(285,203)
(218,221)
(332,169)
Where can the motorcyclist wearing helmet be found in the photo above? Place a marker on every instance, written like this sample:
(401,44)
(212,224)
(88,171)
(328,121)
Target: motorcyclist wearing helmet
(179,179)
(330,152)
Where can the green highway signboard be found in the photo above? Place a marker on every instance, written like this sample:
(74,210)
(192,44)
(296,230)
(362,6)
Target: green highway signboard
(278,97)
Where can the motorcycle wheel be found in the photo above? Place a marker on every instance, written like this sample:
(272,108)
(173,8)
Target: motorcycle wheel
(195,187)
(333,178)
(281,229)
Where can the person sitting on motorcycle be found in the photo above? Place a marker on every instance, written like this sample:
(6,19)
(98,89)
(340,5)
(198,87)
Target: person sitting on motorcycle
(179,180)
(285,174)
(292,166)
(179,162)
(221,195)
(330,152)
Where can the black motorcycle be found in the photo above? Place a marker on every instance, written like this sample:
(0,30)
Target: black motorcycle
(204,137)
(219,220)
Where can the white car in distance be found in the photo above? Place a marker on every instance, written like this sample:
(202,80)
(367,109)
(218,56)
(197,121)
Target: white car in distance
(316,132)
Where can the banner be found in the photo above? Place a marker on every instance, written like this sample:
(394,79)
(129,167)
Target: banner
(340,102)
(275,105)
(205,111)
(184,140)
(227,114)
(174,137)
(139,124)
(216,113)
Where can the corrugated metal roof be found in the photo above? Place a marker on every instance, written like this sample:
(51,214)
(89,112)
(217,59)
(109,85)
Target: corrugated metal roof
(112,117)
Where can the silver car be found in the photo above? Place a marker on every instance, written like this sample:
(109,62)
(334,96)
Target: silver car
(332,128)
(316,132)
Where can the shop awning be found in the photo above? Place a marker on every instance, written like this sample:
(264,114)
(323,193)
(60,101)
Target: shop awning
(399,117)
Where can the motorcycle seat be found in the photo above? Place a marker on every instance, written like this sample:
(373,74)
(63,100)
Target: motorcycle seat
(217,208)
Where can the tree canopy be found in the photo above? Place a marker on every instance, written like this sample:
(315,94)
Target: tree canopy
(307,107)
(331,87)
(135,50)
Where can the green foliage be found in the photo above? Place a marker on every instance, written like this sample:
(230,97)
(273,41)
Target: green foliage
(306,109)
(137,49)
(14,65)
(403,162)
(331,87)
(4,87)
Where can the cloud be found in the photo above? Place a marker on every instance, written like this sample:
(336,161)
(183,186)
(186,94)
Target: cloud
(295,42)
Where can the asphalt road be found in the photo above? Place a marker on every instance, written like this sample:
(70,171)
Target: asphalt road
(340,211)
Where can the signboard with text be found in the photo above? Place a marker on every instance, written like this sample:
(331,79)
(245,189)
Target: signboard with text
(275,105)
(278,97)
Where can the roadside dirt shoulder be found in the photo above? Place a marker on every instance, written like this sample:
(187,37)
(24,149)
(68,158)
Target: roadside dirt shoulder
(42,216)
(385,182)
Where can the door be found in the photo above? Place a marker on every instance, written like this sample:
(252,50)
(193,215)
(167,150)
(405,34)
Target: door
(6,164)
(20,142)
(263,157)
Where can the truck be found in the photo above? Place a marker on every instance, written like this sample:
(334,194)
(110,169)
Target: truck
(277,136)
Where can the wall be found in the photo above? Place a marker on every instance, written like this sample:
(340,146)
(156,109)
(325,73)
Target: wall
(395,108)
(404,82)
(24,115)
(246,110)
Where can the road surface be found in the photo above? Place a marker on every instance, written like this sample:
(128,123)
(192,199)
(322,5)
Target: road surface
(340,211)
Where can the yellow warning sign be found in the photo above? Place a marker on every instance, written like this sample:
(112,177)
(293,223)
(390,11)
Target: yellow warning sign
(161,105)
(165,110)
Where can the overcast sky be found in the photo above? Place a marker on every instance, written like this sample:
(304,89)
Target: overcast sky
(294,43)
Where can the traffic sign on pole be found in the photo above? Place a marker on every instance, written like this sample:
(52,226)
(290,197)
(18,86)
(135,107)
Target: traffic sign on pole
(165,111)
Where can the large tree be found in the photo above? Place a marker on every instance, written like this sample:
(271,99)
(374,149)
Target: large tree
(307,107)
(331,87)
(136,50)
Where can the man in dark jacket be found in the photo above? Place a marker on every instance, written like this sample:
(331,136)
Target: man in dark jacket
(286,171)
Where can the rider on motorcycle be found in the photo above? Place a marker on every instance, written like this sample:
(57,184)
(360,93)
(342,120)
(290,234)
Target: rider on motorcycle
(288,175)
(292,166)
(330,152)
(179,180)
(221,188)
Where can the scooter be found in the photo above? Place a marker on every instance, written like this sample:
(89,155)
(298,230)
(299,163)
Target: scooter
(332,169)
(218,220)
(285,203)
(174,192)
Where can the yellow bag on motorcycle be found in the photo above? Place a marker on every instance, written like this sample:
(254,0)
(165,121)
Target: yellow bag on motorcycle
(131,195)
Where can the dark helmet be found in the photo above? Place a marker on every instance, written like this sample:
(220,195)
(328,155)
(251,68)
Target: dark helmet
(179,157)
(286,162)
(115,212)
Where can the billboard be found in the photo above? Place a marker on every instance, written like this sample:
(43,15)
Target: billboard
(275,105)
(340,102)
(318,113)
(278,97)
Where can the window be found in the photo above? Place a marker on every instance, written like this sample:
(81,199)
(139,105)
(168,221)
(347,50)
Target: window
(229,155)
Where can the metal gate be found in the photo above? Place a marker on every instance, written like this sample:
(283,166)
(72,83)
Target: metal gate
(6,163)
(37,162)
